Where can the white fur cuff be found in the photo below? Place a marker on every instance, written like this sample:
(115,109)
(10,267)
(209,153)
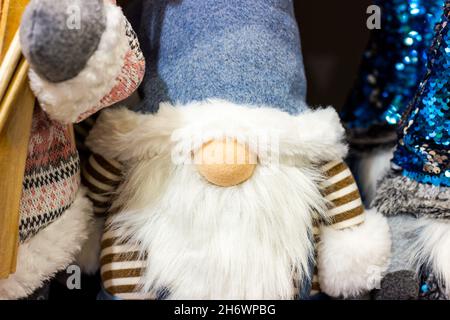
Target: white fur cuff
(66,101)
(50,251)
(352,261)
(313,136)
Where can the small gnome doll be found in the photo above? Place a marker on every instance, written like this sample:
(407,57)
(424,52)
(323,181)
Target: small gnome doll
(74,73)
(393,66)
(228,176)
(418,184)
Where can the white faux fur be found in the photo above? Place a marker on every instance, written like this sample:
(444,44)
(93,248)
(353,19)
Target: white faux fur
(432,248)
(312,136)
(205,242)
(372,167)
(89,257)
(66,101)
(50,251)
(352,261)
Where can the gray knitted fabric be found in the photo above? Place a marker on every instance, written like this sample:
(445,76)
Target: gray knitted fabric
(401,281)
(59,37)
(400,285)
(404,232)
(397,194)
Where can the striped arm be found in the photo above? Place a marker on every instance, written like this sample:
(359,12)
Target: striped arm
(315,287)
(121,268)
(353,242)
(341,191)
(82,130)
(101,177)
(346,208)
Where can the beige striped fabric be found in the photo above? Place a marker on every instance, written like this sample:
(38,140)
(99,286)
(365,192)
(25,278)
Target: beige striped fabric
(121,268)
(101,177)
(346,208)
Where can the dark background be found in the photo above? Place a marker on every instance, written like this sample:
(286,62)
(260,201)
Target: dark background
(334,35)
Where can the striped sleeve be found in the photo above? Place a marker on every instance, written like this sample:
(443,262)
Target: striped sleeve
(345,206)
(122,267)
(340,189)
(315,288)
(101,177)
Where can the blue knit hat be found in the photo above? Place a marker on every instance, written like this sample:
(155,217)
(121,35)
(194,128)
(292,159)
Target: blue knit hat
(245,51)
(420,179)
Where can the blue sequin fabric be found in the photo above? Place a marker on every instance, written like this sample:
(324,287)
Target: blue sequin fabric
(423,148)
(393,64)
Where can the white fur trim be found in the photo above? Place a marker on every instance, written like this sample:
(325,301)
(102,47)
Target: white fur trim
(66,101)
(352,261)
(372,167)
(50,251)
(432,248)
(89,257)
(312,136)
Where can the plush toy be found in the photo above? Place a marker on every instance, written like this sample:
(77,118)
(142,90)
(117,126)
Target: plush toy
(393,66)
(418,184)
(226,178)
(74,73)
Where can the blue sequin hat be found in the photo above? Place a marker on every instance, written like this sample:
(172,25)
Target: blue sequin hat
(420,177)
(393,65)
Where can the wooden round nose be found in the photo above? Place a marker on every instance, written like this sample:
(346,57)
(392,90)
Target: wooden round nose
(225,163)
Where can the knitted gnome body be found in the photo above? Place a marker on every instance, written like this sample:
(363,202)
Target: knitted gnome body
(227,76)
(418,184)
(55,215)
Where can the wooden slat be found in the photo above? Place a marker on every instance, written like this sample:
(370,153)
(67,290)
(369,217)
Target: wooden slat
(16,110)
(9,22)
(9,65)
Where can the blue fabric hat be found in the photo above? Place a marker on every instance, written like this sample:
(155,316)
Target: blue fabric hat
(244,51)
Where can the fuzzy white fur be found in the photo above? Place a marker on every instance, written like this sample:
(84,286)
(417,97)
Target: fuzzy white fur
(373,166)
(432,248)
(313,136)
(205,242)
(50,251)
(352,261)
(66,101)
(89,257)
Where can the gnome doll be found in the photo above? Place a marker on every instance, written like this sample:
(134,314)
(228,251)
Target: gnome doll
(392,68)
(418,184)
(74,73)
(229,179)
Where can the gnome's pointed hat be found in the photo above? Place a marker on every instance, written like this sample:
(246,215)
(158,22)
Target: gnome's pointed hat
(420,179)
(230,65)
(393,65)
(231,50)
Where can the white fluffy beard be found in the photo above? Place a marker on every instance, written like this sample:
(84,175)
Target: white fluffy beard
(206,242)
(251,241)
